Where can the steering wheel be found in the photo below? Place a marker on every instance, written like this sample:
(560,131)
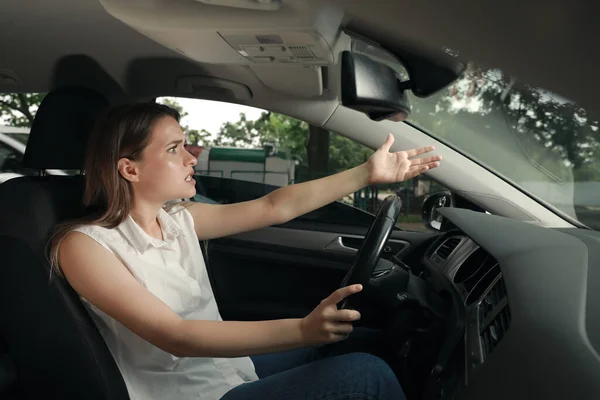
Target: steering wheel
(369,253)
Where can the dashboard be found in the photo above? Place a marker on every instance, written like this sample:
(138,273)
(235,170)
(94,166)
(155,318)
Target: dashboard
(526,309)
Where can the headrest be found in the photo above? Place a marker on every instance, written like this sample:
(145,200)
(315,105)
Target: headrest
(61,128)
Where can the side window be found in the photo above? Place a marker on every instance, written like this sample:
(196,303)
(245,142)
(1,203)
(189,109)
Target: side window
(12,161)
(5,154)
(244,153)
(17,111)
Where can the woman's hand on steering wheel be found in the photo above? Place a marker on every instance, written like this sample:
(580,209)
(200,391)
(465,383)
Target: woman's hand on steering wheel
(326,324)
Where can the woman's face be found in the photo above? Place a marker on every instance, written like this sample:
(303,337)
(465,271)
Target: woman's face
(165,171)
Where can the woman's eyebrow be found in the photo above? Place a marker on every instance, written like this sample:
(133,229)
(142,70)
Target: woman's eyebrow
(174,142)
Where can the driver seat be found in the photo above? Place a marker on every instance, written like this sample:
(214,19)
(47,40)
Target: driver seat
(54,346)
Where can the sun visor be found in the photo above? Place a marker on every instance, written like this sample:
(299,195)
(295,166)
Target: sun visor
(294,33)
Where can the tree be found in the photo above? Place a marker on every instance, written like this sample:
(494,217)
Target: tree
(345,153)
(193,136)
(293,135)
(18,109)
(331,152)
(269,128)
(542,122)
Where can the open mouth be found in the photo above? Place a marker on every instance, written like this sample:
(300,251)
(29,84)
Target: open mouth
(188,178)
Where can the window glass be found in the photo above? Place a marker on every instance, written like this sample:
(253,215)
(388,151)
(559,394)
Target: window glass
(249,145)
(11,161)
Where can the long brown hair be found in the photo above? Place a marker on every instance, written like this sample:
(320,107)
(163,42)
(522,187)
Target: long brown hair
(123,133)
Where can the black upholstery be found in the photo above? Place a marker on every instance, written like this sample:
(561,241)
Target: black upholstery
(60,128)
(56,349)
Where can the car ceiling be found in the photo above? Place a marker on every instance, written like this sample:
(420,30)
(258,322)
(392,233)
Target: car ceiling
(543,43)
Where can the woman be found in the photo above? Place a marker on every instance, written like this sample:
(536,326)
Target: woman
(138,268)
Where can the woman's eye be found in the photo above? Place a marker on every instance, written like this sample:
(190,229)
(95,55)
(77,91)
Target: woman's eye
(172,149)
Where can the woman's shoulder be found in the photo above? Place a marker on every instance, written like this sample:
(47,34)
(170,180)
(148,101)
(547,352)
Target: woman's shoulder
(93,229)
(178,210)
(181,215)
(100,234)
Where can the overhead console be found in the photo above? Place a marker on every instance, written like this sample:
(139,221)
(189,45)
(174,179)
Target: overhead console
(294,33)
(289,44)
(285,43)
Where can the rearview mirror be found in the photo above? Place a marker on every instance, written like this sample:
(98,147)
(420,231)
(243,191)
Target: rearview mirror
(372,88)
(429,69)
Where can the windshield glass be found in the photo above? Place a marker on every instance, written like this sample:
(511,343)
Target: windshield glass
(539,141)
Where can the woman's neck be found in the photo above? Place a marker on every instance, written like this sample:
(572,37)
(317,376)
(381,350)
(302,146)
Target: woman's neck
(146,216)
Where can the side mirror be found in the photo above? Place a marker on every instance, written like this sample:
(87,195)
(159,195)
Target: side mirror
(373,88)
(432,219)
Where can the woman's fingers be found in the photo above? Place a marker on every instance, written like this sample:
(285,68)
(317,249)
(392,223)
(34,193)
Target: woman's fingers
(430,165)
(341,294)
(416,170)
(345,316)
(425,160)
(387,145)
(421,150)
(339,328)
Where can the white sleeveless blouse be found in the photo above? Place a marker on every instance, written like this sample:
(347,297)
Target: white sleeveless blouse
(173,270)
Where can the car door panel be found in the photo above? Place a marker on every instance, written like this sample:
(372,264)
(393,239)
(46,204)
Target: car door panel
(280,272)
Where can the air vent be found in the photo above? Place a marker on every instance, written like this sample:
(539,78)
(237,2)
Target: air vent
(494,317)
(476,275)
(302,52)
(444,251)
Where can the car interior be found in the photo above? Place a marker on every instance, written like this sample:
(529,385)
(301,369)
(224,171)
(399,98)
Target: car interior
(500,299)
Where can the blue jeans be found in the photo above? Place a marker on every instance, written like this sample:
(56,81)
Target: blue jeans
(342,371)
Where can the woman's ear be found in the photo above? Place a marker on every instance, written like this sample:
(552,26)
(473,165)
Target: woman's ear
(128,170)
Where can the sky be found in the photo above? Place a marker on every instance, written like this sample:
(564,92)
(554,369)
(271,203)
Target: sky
(210,115)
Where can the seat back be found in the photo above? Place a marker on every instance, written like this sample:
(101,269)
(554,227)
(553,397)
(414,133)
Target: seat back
(56,349)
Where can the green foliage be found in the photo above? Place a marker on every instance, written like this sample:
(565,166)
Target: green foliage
(345,153)
(270,128)
(18,109)
(554,132)
(292,135)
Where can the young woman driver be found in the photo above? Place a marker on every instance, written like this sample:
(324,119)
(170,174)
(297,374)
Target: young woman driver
(138,268)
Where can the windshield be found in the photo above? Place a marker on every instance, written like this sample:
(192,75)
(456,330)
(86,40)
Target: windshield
(539,141)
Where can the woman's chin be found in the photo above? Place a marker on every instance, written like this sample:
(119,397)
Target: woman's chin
(191,192)
(187,193)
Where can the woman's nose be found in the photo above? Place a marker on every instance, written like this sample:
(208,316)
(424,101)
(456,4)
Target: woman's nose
(192,159)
